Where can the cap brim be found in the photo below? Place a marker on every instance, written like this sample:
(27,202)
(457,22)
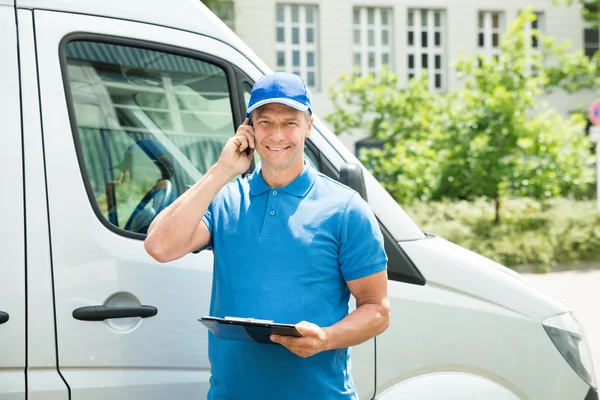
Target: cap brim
(287,102)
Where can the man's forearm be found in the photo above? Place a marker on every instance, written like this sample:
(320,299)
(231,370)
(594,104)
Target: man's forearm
(173,228)
(367,321)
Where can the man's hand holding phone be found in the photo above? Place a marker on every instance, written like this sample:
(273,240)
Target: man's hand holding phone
(239,150)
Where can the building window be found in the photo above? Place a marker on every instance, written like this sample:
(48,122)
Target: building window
(591,39)
(591,35)
(426,42)
(537,25)
(491,25)
(296,47)
(372,39)
(533,30)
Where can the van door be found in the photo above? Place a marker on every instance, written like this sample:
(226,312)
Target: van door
(12,236)
(133,114)
(128,125)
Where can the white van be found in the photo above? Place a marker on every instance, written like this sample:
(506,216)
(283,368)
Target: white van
(85,313)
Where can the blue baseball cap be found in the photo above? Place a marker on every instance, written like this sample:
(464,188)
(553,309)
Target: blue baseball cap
(283,88)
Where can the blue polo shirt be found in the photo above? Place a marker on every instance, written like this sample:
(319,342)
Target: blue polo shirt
(285,254)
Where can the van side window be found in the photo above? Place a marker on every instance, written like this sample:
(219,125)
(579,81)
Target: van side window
(149,125)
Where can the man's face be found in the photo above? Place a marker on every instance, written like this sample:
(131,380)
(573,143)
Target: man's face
(279,133)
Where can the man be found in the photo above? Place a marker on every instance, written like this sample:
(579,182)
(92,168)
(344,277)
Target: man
(290,245)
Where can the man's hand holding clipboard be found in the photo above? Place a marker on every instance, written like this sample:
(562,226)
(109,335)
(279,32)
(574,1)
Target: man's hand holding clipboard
(312,341)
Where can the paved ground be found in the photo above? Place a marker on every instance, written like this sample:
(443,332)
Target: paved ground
(579,291)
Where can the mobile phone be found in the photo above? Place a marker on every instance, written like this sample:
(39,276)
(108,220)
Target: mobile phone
(251,124)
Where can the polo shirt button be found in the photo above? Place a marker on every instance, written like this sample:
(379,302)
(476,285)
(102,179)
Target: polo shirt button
(274,192)
(272,213)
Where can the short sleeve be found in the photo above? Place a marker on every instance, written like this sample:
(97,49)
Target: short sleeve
(361,250)
(208,221)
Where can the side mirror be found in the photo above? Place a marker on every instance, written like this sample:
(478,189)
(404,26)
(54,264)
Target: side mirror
(352,176)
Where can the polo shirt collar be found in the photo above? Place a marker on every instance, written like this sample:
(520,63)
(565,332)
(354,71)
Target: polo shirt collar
(299,187)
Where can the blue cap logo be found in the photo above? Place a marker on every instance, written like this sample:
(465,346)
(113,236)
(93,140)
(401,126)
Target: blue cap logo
(283,88)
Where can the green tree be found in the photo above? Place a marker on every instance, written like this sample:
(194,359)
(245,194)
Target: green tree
(513,146)
(407,166)
(491,139)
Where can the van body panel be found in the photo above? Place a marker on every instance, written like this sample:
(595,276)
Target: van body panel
(40,313)
(94,266)
(137,383)
(443,331)
(456,386)
(12,236)
(188,15)
(45,384)
(43,380)
(12,384)
(463,321)
(446,264)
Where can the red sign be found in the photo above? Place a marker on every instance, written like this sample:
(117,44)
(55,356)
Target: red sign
(594,113)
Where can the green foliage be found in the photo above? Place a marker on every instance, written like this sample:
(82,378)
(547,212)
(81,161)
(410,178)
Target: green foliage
(590,10)
(388,111)
(407,165)
(543,235)
(212,4)
(576,76)
(490,139)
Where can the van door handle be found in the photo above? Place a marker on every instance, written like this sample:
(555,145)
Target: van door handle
(100,313)
(3,317)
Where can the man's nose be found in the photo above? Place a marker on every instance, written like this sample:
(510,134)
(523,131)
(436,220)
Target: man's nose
(278,133)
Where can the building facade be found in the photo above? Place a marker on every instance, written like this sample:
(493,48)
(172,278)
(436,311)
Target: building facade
(321,39)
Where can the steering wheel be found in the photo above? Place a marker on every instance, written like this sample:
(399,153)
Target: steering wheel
(160,196)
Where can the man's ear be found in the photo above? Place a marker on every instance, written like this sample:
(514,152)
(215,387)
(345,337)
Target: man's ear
(310,123)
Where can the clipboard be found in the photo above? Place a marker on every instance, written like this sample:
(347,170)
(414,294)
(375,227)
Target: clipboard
(247,329)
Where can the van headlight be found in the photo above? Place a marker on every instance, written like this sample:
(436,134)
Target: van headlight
(568,337)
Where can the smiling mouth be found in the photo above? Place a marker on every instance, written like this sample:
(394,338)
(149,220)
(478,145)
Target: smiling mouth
(277,148)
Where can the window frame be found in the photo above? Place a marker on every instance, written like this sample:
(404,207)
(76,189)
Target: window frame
(303,47)
(488,32)
(141,44)
(378,48)
(431,51)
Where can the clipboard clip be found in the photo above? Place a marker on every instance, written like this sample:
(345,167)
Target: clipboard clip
(258,321)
